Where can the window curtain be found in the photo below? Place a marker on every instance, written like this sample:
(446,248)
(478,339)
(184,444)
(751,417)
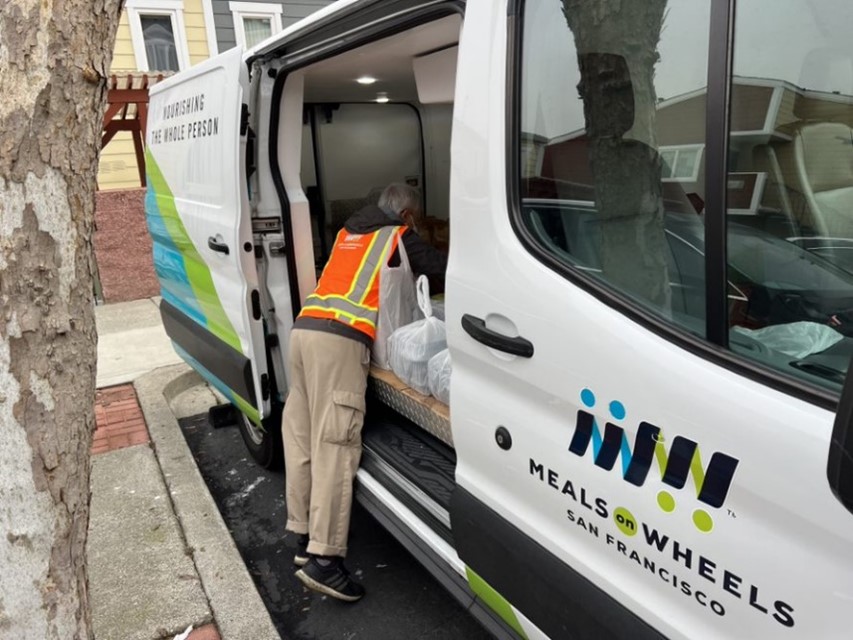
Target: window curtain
(256,30)
(160,45)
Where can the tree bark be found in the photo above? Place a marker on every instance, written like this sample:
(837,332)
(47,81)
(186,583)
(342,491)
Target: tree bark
(54,59)
(616,44)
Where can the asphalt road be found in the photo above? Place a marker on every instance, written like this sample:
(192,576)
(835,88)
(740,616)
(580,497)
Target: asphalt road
(403,601)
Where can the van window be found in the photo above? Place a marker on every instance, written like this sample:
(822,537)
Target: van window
(790,186)
(611,141)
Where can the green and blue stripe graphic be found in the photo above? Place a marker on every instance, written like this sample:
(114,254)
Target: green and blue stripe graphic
(185,279)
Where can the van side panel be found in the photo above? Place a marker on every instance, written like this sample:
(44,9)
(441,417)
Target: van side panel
(560,600)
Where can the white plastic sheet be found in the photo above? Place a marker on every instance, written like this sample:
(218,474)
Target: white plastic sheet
(398,305)
(438,371)
(796,339)
(411,347)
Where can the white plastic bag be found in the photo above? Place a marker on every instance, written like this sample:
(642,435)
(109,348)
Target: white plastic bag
(398,305)
(411,347)
(439,370)
(438,308)
(796,339)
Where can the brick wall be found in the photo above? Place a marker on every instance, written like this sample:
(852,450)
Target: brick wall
(123,246)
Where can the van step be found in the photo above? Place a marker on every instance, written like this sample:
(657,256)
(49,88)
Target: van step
(414,466)
(420,457)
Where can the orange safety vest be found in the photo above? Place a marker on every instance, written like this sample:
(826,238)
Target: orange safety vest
(348,290)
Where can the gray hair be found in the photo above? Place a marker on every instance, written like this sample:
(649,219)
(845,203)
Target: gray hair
(397,197)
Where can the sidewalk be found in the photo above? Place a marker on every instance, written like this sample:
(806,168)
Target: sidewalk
(131,341)
(161,560)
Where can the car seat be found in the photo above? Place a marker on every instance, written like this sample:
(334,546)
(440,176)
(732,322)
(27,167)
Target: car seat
(823,158)
(777,196)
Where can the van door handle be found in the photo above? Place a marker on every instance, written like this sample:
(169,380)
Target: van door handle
(476,328)
(214,245)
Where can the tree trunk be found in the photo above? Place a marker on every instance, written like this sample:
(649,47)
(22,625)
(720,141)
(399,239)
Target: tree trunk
(617,42)
(54,58)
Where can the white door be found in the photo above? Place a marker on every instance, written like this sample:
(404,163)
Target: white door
(198,215)
(620,475)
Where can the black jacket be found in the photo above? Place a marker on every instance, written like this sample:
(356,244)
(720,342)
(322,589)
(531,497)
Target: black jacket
(423,258)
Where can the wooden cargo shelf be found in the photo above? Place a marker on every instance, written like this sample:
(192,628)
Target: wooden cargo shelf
(432,415)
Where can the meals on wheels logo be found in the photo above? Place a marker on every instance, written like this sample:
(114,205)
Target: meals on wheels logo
(681,459)
(683,563)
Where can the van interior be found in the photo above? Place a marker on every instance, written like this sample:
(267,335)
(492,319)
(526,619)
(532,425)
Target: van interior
(374,115)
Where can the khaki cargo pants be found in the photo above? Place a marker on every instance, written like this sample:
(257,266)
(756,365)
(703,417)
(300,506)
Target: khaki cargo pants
(321,426)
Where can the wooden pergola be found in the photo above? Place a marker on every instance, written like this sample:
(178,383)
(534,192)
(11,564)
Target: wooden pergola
(127,110)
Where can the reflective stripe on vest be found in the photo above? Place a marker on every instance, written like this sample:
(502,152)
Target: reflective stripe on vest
(353,299)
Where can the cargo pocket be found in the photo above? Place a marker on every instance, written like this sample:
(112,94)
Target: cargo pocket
(346,420)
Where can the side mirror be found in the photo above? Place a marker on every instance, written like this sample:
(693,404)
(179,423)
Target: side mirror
(839,468)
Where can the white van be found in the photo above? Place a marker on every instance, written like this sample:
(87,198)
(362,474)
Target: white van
(649,299)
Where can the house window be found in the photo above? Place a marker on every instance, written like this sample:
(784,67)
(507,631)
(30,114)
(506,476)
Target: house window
(160,47)
(254,22)
(158,34)
(681,164)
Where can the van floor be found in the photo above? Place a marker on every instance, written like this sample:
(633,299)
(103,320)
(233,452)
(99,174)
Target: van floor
(402,601)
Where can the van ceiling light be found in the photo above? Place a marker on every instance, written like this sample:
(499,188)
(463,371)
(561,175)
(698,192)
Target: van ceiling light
(365,80)
(382,99)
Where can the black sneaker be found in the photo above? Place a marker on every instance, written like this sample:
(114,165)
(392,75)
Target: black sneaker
(301,557)
(333,580)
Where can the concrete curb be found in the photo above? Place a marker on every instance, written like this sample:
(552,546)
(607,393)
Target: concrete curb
(238,609)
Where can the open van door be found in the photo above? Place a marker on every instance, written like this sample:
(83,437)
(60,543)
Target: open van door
(198,215)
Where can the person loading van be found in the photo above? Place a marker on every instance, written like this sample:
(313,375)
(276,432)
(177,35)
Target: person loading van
(329,359)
